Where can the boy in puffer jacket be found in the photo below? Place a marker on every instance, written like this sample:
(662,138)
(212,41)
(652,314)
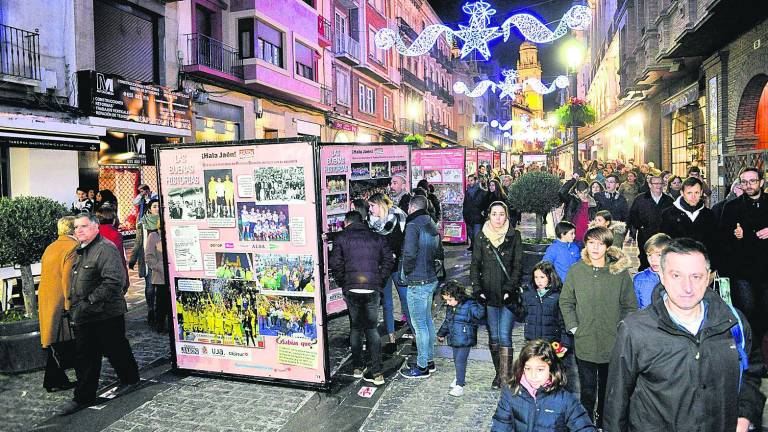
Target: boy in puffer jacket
(460,325)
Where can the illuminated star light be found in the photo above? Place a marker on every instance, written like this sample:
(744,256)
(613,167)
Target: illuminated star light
(510,86)
(477,34)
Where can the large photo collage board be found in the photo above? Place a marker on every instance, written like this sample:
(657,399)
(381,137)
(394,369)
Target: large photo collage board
(445,170)
(243,259)
(348,173)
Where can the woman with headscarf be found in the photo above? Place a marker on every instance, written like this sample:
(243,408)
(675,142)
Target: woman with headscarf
(53,295)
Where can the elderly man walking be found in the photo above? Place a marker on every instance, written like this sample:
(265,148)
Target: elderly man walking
(97,306)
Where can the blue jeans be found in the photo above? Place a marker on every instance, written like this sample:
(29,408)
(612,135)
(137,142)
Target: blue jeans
(472,231)
(460,356)
(500,323)
(420,306)
(388,303)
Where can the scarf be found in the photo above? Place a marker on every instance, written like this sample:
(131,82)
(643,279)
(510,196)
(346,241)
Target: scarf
(395,217)
(496,236)
(150,221)
(528,386)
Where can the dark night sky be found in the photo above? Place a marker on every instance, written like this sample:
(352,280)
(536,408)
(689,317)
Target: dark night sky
(506,53)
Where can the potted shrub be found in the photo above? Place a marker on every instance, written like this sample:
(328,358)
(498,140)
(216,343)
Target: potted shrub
(535,192)
(576,113)
(27,227)
(417,140)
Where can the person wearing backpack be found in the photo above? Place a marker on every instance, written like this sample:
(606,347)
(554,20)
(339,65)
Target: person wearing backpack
(682,363)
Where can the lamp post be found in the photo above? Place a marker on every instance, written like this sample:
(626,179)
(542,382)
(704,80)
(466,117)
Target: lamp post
(473,135)
(573,55)
(413,114)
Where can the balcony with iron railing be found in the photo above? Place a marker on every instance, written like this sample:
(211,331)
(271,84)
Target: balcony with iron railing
(411,79)
(346,48)
(212,57)
(326,95)
(441,130)
(406,28)
(324,32)
(408,126)
(19,53)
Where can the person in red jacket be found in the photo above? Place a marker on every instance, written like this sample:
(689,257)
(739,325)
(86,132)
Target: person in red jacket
(106,214)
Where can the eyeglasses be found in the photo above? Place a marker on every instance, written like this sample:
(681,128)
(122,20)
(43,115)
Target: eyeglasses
(749,182)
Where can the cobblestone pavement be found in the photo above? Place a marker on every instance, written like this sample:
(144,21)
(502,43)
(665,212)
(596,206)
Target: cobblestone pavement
(170,402)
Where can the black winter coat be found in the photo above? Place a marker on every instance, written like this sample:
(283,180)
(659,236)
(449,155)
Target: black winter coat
(486,274)
(558,411)
(572,206)
(677,224)
(645,215)
(748,258)
(474,206)
(360,259)
(97,283)
(544,320)
(662,378)
(461,323)
(616,204)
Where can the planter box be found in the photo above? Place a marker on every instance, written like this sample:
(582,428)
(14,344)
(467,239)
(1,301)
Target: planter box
(20,349)
(532,255)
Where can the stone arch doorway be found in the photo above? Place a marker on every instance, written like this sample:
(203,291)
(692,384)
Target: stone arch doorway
(752,116)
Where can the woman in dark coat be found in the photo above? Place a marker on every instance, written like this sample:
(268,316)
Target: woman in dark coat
(495,273)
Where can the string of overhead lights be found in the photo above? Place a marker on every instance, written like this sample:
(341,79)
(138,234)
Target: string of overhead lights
(478,33)
(510,85)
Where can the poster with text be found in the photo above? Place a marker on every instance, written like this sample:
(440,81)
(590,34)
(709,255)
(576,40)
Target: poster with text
(349,173)
(243,259)
(444,169)
(470,162)
(504,161)
(497,160)
(485,159)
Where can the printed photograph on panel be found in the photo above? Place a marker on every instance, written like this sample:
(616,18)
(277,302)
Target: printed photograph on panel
(186,203)
(220,193)
(263,222)
(279,184)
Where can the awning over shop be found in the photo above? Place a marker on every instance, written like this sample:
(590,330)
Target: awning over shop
(44,140)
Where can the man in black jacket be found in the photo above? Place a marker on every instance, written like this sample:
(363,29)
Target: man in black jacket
(689,217)
(612,200)
(744,229)
(361,261)
(645,215)
(680,364)
(475,201)
(98,312)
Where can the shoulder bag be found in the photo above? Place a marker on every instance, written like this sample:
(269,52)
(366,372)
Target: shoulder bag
(516,306)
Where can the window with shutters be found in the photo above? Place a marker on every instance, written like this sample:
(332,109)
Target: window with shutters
(270,44)
(366,99)
(245,37)
(305,61)
(386,107)
(343,88)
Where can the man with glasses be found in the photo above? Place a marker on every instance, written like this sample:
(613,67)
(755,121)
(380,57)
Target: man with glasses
(744,229)
(645,215)
(612,200)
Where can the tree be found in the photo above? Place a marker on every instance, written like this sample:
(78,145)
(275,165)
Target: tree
(535,192)
(27,226)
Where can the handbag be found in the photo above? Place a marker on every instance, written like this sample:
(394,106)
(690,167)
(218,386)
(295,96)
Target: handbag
(516,307)
(63,352)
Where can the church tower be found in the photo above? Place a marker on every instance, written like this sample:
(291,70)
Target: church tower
(528,66)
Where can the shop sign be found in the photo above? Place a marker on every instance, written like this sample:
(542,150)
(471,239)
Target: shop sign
(120,148)
(110,96)
(685,97)
(335,124)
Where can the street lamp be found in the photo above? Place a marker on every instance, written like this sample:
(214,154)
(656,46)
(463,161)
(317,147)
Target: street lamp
(573,55)
(473,135)
(413,114)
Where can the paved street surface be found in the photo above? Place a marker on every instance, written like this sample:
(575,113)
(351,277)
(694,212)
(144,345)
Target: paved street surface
(168,401)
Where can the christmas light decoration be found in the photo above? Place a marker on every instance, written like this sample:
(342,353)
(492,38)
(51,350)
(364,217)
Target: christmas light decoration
(478,33)
(510,86)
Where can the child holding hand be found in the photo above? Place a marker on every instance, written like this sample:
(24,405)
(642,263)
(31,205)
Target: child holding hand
(536,398)
(460,326)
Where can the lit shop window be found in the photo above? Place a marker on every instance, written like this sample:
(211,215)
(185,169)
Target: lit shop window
(213,130)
